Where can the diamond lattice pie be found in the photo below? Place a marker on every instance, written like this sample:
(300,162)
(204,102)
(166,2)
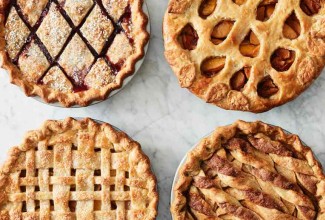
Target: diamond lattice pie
(77,170)
(73,52)
(245,54)
(250,171)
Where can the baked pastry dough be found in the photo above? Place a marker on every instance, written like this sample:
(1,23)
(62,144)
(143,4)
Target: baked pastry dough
(250,171)
(245,54)
(50,47)
(77,170)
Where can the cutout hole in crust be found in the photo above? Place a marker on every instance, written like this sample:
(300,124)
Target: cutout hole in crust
(220,31)
(22,173)
(24,207)
(207,7)
(265,9)
(51,205)
(239,2)
(188,38)
(73,188)
(282,59)
(310,7)
(97,205)
(97,173)
(267,88)
(212,66)
(113,205)
(22,188)
(250,46)
(240,78)
(72,206)
(73,172)
(128,205)
(98,187)
(291,27)
(37,205)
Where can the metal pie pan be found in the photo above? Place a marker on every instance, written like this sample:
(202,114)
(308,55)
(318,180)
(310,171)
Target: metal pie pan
(125,81)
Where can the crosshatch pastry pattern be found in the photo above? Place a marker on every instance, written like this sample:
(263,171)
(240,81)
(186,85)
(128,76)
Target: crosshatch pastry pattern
(250,171)
(73,52)
(245,54)
(77,170)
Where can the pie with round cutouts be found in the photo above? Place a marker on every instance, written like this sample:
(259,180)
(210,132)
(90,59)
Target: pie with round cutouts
(245,55)
(72,52)
(77,170)
(250,171)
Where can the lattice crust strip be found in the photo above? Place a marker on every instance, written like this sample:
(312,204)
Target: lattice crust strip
(72,51)
(250,171)
(245,54)
(77,170)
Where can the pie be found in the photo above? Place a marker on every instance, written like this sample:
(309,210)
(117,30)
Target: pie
(243,54)
(250,171)
(77,170)
(72,52)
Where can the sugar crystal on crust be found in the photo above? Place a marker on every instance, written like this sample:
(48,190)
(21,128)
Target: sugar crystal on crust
(33,63)
(16,33)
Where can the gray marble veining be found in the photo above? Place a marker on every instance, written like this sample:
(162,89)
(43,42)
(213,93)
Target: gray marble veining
(156,112)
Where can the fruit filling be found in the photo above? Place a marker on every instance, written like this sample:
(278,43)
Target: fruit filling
(250,46)
(266,88)
(265,9)
(240,78)
(207,7)
(291,28)
(282,59)
(212,66)
(310,7)
(221,31)
(239,2)
(188,38)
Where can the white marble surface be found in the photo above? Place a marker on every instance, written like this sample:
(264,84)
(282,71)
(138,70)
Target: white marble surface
(164,118)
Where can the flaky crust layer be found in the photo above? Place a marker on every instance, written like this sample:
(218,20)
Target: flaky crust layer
(215,142)
(103,134)
(308,64)
(84,98)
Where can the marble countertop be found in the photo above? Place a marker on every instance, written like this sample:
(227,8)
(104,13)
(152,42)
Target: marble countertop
(156,112)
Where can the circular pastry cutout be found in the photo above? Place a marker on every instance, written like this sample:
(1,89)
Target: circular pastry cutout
(74,53)
(275,39)
(250,170)
(77,168)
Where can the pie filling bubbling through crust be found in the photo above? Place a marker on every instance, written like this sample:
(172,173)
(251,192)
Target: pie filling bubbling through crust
(56,44)
(250,171)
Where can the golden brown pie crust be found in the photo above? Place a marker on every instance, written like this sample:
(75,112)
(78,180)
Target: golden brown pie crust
(68,97)
(256,93)
(250,171)
(77,169)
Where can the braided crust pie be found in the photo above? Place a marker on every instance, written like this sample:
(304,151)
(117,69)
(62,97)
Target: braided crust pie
(72,52)
(248,55)
(77,170)
(250,171)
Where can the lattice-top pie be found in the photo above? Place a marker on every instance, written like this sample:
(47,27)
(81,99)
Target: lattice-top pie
(250,171)
(74,52)
(77,170)
(249,55)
